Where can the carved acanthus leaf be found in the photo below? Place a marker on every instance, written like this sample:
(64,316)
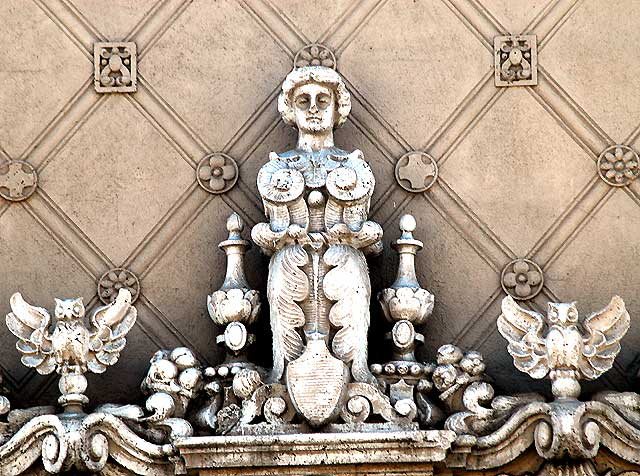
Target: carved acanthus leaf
(288,285)
(348,284)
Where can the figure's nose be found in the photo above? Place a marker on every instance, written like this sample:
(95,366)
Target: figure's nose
(314,106)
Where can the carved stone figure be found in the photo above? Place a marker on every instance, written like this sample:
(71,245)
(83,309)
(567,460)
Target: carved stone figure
(563,352)
(71,349)
(316,198)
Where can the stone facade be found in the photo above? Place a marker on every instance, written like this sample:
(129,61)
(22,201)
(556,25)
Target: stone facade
(337,344)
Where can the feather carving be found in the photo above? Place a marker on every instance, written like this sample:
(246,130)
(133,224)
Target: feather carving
(110,326)
(288,285)
(605,329)
(348,285)
(523,330)
(30,324)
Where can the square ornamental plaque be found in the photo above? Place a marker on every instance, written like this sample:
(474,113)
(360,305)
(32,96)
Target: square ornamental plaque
(516,60)
(114,67)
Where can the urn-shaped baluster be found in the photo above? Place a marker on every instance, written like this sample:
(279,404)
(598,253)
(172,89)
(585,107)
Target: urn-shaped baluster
(234,306)
(405,303)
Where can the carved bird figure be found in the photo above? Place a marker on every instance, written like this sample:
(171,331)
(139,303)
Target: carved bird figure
(71,347)
(568,351)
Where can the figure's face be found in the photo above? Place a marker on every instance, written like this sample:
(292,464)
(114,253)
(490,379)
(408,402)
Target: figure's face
(314,106)
(69,309)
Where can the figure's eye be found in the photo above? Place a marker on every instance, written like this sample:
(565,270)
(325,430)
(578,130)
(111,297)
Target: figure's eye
(76,310)
(324,100)
(572,314)
(302,101)
(553,314)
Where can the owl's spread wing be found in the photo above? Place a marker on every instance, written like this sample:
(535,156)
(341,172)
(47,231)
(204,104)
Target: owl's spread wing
(30,324)
(348,285)
(110,326)
(523,330)
(605,329)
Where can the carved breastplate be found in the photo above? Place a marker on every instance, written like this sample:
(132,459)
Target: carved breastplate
(316,194)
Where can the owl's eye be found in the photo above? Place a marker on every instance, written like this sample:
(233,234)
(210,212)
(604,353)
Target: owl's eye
(77,310)
(572,314)
(553,314)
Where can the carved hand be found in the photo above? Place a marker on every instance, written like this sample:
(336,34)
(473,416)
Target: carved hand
(368,236)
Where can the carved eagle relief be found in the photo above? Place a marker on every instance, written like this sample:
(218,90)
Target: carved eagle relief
(564,345)
(71,346)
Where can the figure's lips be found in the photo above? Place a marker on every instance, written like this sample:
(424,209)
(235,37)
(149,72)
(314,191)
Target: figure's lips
(314,119)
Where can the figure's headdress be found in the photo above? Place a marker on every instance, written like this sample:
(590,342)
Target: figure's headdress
(314,74)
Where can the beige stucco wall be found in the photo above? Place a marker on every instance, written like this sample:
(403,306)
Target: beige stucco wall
(117,183)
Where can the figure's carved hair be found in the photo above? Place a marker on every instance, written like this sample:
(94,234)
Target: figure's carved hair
(314,74)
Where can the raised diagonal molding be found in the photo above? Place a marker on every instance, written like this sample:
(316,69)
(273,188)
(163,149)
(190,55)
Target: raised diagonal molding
(582,128)
(278,26)
(64,14)
(65,124)
(67,234)
(167,121)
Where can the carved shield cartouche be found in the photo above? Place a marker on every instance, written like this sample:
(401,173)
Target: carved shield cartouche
(317,382)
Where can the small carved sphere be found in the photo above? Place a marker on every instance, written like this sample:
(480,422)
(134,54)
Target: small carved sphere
(163,371)
(405,407)
(376,369)
(276,406)
(444,377)
(72,383)
(407,223)
(315,199)
(190,378)
(183,357)
(235,336)
(473,363)
(448,354)
(357,404)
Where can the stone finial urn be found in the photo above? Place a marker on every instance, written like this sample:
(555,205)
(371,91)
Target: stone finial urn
(235,305)
(405,303)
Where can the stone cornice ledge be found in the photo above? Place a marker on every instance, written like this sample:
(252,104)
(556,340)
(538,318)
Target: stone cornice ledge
(315,449)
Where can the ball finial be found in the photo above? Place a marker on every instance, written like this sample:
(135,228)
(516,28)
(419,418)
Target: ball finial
(407,224)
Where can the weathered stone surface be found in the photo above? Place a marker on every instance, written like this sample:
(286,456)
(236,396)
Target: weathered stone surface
(315,449)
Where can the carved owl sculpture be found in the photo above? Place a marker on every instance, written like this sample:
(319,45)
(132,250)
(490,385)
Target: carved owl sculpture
(566,352)
(71,347)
